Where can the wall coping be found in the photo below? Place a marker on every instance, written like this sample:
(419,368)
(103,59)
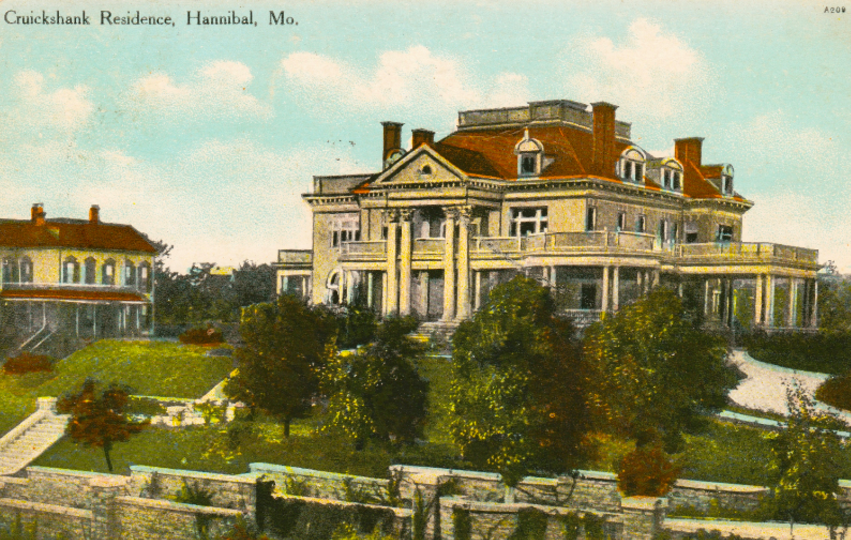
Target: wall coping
(272,468)
(646,504)
(598,475)
(184,508)
(14,480)
(399,512)
(447,472)
(47,508)
(718,486)
(513,508)
(200,475)
(71,472)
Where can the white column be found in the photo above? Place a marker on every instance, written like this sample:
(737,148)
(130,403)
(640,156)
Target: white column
(392,277)
(791,316)
(757,318)
(769,301)
(656,278)
(463,263)
(405,263)
(706,306)
(449,266)
(477,299)
(814,319)
(369,285)
(616,288)
(605,306)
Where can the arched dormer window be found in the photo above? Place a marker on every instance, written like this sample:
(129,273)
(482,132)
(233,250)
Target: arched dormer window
(530,156)
(70,270)
(671,175)
(727,180)
(108,272)
(631,165)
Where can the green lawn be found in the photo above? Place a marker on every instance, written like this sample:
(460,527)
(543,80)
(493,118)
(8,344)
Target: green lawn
(148,368)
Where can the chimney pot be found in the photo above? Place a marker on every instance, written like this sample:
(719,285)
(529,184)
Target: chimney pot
(94,214)
(603,158)
(392,138)
(421,136)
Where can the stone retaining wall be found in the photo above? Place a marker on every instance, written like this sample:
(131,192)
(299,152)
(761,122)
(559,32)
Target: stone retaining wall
(46,520)
(237,492)
(325,485)
(147,519)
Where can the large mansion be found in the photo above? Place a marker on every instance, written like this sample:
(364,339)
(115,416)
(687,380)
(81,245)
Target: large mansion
(81,278)
(554,190)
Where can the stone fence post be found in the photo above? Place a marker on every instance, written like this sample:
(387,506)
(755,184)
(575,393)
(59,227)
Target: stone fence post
(643,517)
(425,504)
(105,489)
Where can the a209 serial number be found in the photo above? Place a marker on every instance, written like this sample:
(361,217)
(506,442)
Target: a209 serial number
(834,9)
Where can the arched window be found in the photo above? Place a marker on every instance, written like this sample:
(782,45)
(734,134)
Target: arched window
(108,272)
(129,273)
(671,173)
(26,270)
(70,270)
(145,277)
(631,165)
(10,270)
(90,270)
(334,289)
(530,154)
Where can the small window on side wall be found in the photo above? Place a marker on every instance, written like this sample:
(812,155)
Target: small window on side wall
(621,221)
(725,233)
(591,219)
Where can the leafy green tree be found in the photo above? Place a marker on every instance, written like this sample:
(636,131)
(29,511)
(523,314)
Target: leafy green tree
(834,304)
(518,384)
(655,374)
(377,393)
(807,465)
(285,346)
(99,417)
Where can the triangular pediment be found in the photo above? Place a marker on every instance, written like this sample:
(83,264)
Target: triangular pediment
(420,166)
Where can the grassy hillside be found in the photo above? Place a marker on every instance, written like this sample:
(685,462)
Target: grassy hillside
(148,368)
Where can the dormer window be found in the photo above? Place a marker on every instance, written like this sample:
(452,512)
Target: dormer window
(670,175)
(631,165)
(530,153)
(727,180)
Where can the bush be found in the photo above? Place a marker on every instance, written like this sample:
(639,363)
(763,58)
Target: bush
(27,363)
(647,471)
(822,352)
(145,406)
(836,391)
(202,336)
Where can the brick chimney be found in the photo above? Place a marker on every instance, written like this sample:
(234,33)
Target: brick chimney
(38,214)
(392,138)
(603,158)
(94,214)
(690,149)
(421,136)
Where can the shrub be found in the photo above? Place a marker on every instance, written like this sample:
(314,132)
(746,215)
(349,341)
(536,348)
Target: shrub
(202,336)
(145,406)
(647,471)
(822,352)
(27,363)
(836,391)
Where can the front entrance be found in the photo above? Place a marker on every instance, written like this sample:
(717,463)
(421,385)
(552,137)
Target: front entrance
(588,296)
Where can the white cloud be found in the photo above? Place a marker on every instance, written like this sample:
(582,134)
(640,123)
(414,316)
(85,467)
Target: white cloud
(415,78)
(217,91)
(37,111)
(650,73)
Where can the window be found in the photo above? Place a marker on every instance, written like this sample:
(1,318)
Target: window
(90,271)
(691,232)
(726,185)
(529,154)
(144,277)
(108,273)
(628,170)
(129,273)
(632,165)
(526,221)
(676,182)
(10,270)
(663,230)
(725,233)
(666,176)
(590,219)
(640,224)
(26,270)
(70,270)
(621,221)
(345,230)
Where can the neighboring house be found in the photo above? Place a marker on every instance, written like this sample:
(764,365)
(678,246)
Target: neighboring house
(74,277)
(555,191)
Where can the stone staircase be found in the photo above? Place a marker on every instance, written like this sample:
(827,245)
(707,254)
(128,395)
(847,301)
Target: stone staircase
(439,331)
(32,437)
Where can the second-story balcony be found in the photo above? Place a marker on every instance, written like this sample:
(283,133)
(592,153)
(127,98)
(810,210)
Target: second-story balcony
(295,258)
(747,252)
(566,242)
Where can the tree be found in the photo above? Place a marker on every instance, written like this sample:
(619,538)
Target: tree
(286,344)
(377,393)
(807,465)
(99,418)
(834,304)
(518,384)
(646,360)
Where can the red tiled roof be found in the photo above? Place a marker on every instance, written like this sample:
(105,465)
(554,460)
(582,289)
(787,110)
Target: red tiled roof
(72,234)
(71,294)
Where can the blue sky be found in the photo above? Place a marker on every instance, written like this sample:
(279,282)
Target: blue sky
(205,137)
